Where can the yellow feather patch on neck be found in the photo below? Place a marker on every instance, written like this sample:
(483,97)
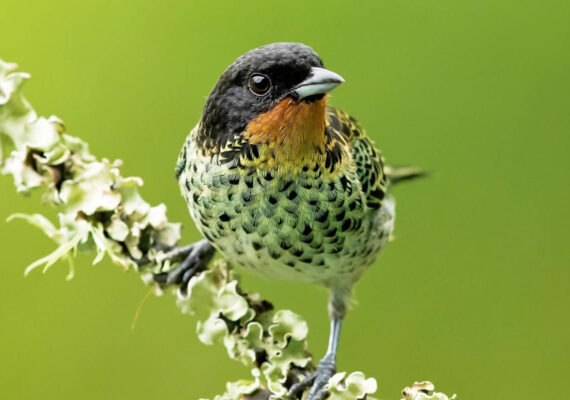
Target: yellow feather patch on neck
(290,135)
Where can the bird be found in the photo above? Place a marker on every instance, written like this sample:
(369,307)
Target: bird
(284,185)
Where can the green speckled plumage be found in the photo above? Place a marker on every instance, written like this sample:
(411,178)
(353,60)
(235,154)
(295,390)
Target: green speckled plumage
(307,225)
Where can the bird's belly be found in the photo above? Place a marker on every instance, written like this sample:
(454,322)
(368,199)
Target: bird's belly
(296,228)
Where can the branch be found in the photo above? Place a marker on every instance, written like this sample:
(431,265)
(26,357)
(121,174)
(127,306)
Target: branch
(102,212)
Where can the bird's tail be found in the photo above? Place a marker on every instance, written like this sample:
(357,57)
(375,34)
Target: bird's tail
(400,173)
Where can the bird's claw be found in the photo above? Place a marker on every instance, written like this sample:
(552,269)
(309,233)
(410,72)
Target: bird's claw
(317,381)
(195,258)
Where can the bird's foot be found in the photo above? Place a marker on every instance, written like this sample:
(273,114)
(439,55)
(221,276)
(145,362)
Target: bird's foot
(316,381)
(195,258)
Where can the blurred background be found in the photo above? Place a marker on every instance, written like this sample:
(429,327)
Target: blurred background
(474,293)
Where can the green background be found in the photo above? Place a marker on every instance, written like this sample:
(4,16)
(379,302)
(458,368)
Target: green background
(474,293)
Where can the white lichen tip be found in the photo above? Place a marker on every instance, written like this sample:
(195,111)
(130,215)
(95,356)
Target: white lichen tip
(424,391)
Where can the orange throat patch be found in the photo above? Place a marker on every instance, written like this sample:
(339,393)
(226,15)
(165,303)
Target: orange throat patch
(290,135)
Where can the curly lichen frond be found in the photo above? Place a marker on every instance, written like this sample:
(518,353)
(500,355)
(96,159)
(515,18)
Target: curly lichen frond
(424,391)
(98,209)
(101,211)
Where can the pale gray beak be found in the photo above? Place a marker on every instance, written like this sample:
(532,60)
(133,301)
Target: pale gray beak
(319,81)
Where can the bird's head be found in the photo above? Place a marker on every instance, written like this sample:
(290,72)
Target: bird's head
(272,97)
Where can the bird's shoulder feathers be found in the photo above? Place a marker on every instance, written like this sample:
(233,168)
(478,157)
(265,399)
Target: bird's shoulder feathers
(343,132)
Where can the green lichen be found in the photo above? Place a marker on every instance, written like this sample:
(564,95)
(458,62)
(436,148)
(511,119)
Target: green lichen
(271,343)
(424,391)
(103,212)
(97,208)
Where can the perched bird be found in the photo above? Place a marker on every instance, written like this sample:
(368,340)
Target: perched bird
(282,184)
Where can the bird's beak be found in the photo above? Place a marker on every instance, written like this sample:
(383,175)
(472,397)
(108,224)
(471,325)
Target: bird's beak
(320,81)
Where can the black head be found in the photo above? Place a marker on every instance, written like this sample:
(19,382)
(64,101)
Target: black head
(256,82)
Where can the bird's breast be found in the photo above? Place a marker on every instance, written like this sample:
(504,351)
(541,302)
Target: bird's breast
(305,226)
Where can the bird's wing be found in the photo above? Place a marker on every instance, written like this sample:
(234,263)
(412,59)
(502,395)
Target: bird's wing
(370,169)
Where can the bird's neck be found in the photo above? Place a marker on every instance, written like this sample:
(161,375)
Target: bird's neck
(290,135)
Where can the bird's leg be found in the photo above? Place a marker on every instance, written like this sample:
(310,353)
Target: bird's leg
(327,366)
(325,370)
(195,258)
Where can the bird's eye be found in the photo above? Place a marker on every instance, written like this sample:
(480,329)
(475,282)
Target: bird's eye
(259,84)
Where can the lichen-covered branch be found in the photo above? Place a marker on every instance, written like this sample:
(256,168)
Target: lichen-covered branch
(103,212)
